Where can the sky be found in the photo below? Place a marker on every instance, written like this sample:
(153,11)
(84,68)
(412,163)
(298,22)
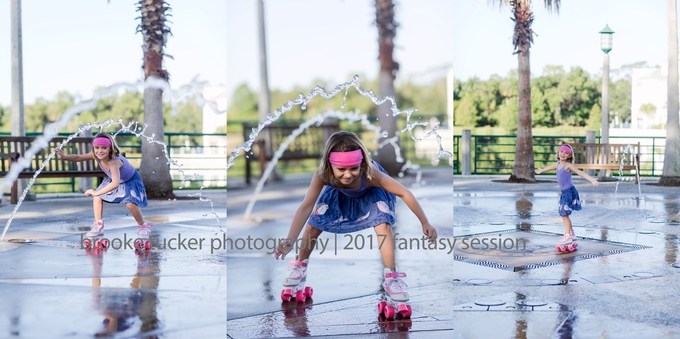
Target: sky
(482,36)
(333,40)
(79,45)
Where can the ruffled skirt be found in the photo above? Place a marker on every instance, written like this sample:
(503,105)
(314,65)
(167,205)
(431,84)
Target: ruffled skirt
(132,191)
(336,212)
(569,201)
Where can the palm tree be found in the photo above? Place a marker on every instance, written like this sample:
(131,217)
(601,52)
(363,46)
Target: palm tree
(387,30)
(523,169)
(671,162)
(154,168)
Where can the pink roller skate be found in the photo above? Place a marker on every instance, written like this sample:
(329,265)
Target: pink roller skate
(395,300)
(294,284)
(94,238)
(566,243)
(142,242)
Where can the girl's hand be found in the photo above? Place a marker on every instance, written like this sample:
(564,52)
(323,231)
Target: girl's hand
(594,181)
(91,193)
(284,247)
(430,232)
(538,171)
(59,153)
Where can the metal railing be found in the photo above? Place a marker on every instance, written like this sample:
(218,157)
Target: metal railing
(494,154)
(202,165)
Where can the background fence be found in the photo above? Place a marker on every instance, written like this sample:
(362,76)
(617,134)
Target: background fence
(202,156)
(494,154)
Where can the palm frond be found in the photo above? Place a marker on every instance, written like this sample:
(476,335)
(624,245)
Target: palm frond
(550,4)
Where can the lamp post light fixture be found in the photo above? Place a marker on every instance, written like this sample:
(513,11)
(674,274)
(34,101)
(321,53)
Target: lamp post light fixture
(606,39)
(606,45)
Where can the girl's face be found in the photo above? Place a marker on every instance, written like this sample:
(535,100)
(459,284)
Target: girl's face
(102,152)
(346,175)
(563,155)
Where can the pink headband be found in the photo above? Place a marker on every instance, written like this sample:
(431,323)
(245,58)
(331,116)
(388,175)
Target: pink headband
(101,142)
(346,159)
(565,148)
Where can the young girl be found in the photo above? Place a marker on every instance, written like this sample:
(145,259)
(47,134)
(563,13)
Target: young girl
(569,200)
(123,185)
(358,194)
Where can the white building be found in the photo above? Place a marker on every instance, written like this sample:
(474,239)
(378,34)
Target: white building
(648,98)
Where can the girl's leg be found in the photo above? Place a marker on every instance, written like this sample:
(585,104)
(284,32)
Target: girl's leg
(97,227)
(567,224)
(386,244)
(308,242)
(98,207)
(136,213)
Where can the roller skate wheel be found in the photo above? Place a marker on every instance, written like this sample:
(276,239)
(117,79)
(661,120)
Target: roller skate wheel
(560,249)
(147,245)
(404,310)
(88,243)
(309,291)
(138,244)
(286,294)
(300,296)
(381,307)
(104,243)
(574,246)
(389,312)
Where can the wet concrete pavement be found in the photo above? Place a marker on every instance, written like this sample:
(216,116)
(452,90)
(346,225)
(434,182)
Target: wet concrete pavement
(53,288)
(621,282)
(345,275)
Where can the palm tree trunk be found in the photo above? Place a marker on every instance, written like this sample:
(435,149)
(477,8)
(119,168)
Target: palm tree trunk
(387,30)
(154,166)
(671,163)
(523,169)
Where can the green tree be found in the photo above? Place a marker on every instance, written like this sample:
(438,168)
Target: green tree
(648,108)
(595,118)
(243,105)
(507,114)
(579,94)
(44,111)
(620,95)
(465,113)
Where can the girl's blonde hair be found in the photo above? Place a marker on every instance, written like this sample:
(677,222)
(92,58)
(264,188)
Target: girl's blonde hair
(571,156)
(114,151)
(343,141)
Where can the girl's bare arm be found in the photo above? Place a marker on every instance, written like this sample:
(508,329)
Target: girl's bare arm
(582,174)
(114,168)
(306,207)
(549,168)
(73,157)
(389,184)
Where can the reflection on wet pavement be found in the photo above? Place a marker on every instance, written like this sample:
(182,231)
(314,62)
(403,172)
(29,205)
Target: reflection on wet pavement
(54,288)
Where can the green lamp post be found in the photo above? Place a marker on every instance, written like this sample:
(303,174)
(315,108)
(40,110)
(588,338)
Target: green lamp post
(606,45)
